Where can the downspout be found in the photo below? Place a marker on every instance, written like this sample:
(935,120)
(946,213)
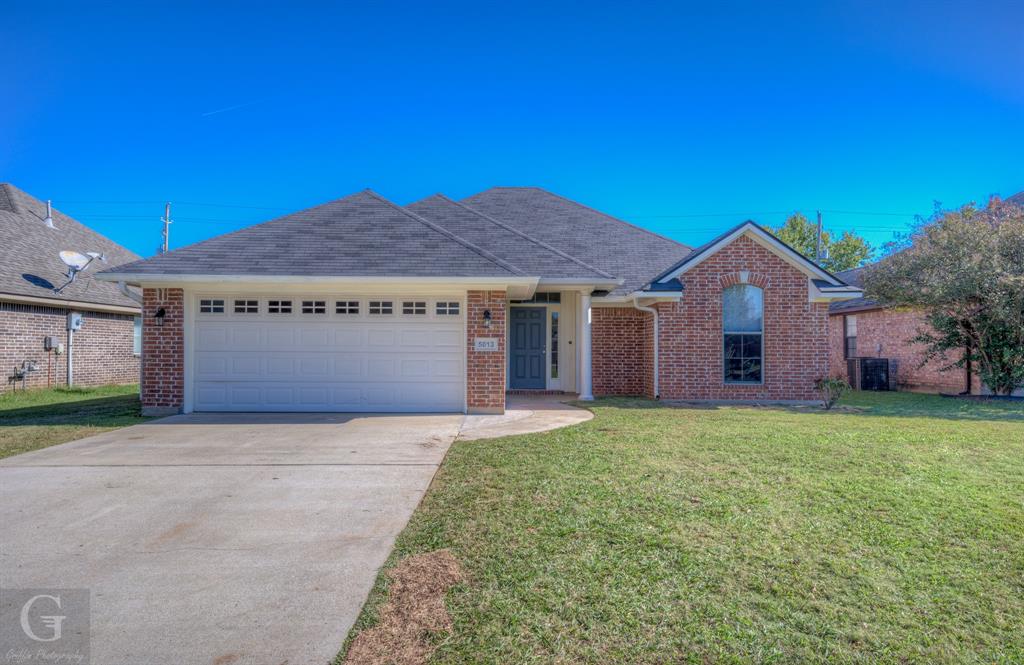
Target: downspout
(654,312)
(137,298)
(129,294)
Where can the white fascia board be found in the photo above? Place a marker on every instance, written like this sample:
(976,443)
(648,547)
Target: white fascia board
(815,294)
(461,283)
(71,304)
(630,298)
(764,239)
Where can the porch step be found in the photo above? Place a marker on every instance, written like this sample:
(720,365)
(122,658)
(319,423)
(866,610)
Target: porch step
(520,391)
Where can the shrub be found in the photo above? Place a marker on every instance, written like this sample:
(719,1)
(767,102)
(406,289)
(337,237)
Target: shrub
(831,389)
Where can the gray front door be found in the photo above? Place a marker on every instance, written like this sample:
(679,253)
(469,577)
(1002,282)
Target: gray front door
(527,347)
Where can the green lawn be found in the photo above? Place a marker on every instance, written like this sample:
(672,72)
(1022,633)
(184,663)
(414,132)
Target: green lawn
(39,418)
(891,530)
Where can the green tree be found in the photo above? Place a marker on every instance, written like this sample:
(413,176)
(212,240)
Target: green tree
(848,251)
(965,269)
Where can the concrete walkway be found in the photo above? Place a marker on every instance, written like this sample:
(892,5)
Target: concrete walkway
(524,415)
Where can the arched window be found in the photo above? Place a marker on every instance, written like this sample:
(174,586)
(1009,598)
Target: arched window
(743,332)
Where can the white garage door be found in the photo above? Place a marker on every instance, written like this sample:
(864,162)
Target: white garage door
(328,354)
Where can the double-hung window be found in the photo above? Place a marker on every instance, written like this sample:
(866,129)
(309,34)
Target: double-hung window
(850,336)
(743,333)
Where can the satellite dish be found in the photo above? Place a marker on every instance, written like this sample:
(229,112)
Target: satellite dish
(76,263)
(74,260)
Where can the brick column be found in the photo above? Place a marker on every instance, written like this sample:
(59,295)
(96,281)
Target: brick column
(163,352)
(485,370)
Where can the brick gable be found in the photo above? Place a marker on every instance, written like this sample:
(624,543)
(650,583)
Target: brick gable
(796,340)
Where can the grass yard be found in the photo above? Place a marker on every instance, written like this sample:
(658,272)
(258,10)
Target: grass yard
(891,530)
(39,418)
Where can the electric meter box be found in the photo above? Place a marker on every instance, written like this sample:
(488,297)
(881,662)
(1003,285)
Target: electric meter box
(74,320)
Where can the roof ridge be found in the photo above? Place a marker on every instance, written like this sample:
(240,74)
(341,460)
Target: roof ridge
(231,233)
(462,241)
(527,237)
(603,214)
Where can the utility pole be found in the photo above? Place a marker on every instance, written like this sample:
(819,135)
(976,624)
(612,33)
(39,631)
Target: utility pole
(817,251)
(167,227)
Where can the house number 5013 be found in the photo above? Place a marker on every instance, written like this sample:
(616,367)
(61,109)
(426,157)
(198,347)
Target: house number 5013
(485,344)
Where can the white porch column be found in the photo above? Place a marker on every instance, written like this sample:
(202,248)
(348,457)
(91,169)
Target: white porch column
(586,388)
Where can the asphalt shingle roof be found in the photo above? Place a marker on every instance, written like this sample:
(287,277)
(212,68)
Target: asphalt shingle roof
(531,255)
(359,235)
(602,241)
(29,253)
(853,277)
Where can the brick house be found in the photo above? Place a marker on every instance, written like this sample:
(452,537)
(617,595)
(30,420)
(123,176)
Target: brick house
(865,328)
(106,348)
(360,304)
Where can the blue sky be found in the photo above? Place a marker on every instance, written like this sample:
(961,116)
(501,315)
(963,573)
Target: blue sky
(683,118)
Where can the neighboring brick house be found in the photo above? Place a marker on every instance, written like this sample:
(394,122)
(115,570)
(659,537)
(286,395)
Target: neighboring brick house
(360,304)
(865,328)
(105,349)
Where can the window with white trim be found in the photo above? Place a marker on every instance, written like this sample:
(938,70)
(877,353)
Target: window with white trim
(346,307)
(381,307)
(446,308)
(137,335)
(314,306)
(211,306)
(414,307)
(247,307)
(279,307)
(743,333)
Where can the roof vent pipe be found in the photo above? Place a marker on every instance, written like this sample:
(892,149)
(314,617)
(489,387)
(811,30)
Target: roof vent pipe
(49,216)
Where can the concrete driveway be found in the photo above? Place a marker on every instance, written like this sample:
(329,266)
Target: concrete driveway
(221,539)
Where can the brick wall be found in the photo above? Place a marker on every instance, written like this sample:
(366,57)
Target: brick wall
(621,342)
(888,333)
(485,370)
(103,348)
(163,351)
(796,339)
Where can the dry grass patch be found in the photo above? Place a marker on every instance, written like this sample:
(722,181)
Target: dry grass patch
(414,611)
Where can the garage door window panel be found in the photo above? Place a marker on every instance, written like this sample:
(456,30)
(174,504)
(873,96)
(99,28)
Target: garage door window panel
(211,306)
(414,307)
(446,308)
(314,306)
(247,307)
(347,307)
(381,307)
(279,307)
